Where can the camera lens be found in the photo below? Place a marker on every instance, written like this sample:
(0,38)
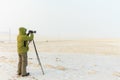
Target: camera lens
(34,31)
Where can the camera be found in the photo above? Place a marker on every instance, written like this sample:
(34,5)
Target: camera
(31,31)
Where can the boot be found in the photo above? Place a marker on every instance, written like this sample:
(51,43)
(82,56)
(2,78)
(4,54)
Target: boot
(27,74)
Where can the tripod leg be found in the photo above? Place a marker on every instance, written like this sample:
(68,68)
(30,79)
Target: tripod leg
(38,58)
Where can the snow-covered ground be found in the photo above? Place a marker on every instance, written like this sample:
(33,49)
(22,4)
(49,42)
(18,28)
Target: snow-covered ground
(64,60)
(62,66)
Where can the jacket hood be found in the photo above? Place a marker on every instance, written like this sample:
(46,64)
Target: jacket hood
(22,31)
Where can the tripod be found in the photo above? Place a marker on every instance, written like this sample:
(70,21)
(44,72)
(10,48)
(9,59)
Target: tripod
(38,57)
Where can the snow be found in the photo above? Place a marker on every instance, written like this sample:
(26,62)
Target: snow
(62,66)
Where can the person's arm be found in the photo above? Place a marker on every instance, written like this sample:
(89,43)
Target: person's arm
(28,38)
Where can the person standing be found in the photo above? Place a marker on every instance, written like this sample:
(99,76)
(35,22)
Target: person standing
(22,48)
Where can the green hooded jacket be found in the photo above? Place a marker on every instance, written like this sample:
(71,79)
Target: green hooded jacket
(21,38)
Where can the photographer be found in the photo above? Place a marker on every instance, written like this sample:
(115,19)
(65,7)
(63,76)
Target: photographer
(23,40)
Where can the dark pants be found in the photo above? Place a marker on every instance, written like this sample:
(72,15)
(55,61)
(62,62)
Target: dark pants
(22,64)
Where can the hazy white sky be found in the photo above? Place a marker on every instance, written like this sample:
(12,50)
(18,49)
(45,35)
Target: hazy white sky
(79,18)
